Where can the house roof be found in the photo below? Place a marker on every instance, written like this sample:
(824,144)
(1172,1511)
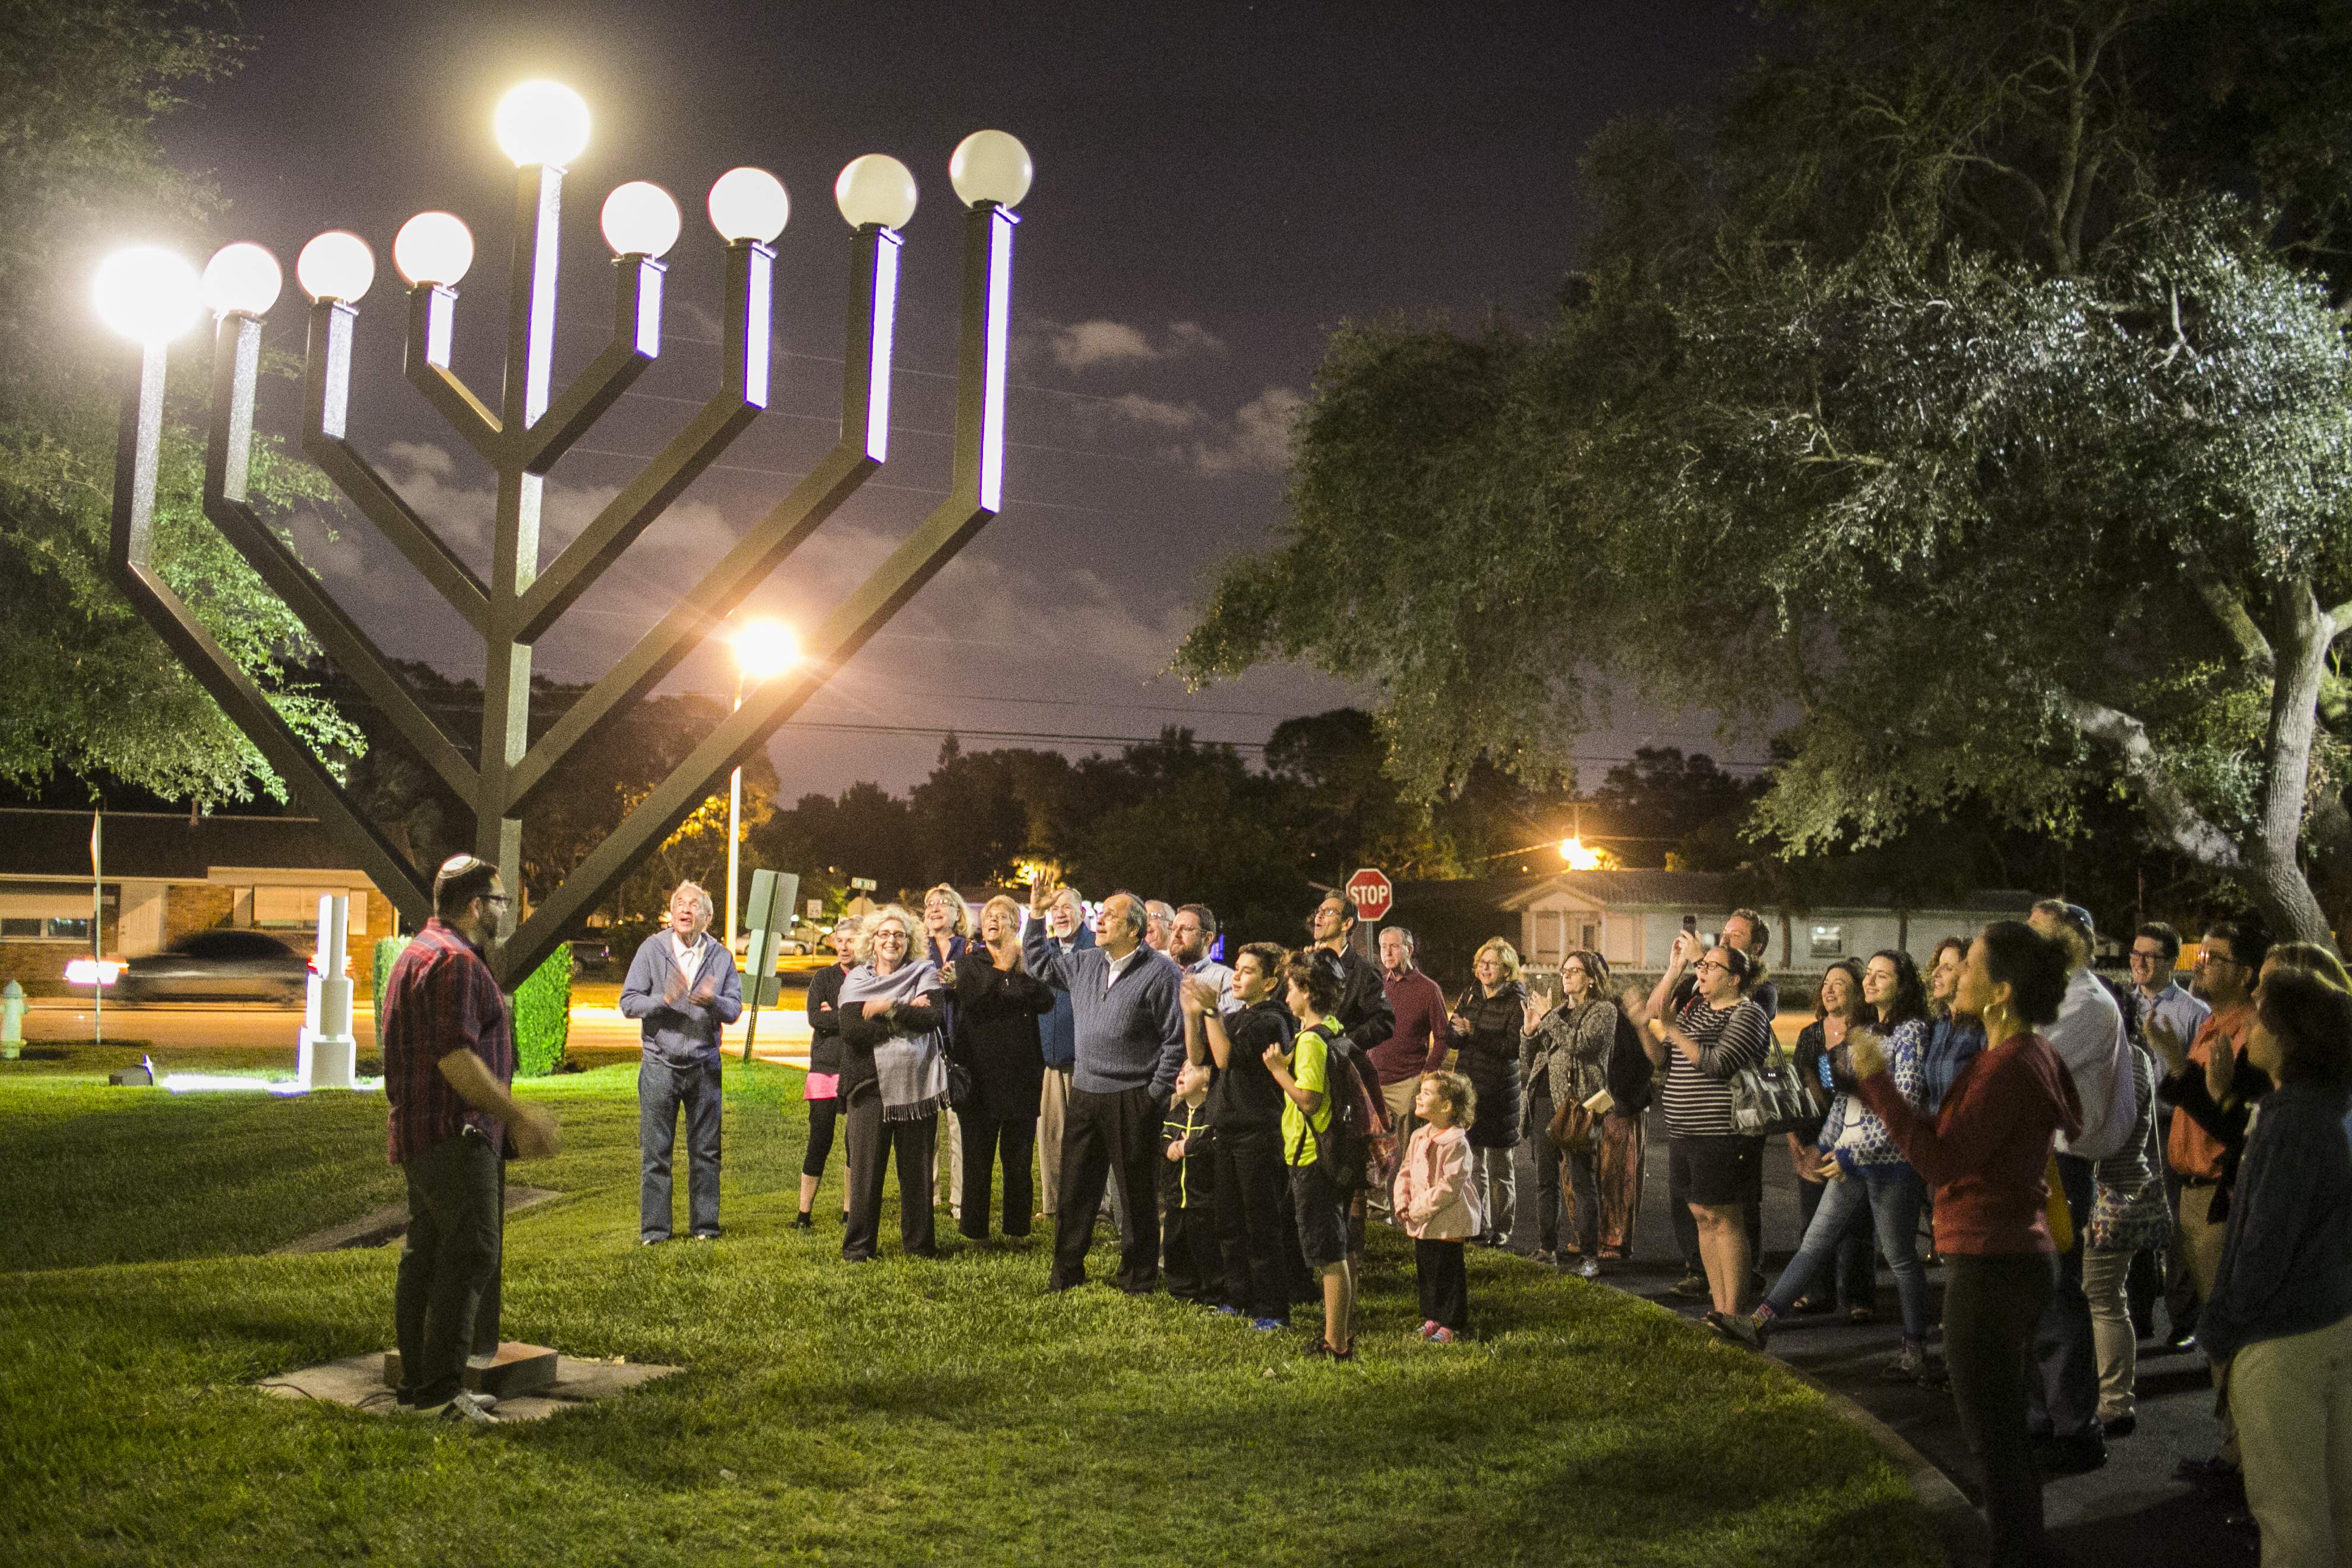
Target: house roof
(161,845)
(1712,891)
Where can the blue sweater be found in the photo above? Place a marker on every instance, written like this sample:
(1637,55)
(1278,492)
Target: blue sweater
(1058,1031)
(2286,1261)
(1129,1034)
(681,1034)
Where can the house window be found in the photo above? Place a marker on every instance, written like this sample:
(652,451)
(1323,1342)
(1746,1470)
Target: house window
(1550,927)
(1829,941)
(47,928)
(1591,940)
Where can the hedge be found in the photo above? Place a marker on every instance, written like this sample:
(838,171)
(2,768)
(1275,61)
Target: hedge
(542,1008)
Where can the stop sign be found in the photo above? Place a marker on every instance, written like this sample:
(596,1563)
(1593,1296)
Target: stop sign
(1372,891)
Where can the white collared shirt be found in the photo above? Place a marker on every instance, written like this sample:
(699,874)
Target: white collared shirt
(687,959)
(1118,966)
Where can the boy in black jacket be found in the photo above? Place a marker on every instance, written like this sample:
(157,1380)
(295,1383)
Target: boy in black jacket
(1188,1200)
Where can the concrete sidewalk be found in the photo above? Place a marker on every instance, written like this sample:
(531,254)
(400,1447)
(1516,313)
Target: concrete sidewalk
(2131,1513)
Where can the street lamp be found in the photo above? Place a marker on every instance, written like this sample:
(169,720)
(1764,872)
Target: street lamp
(763,649)
(151,297)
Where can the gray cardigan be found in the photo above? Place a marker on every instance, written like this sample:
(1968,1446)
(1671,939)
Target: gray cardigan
(681,1034)
(1129,1034)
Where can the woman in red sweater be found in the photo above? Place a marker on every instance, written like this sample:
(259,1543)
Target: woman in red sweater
(1986,1155)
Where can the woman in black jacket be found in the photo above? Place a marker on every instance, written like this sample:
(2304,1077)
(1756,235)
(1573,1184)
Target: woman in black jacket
(1486,1027)
(822,1090)
(998,1003)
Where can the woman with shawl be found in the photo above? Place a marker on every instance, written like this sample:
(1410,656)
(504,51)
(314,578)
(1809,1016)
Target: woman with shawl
(894,1081)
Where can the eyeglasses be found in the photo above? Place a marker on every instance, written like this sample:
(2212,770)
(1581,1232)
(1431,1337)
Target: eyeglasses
(2212,958)
(2139,955)
(1716,964)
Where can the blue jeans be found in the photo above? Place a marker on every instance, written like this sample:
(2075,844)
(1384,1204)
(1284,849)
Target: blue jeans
(662,1090)
(1894,1195)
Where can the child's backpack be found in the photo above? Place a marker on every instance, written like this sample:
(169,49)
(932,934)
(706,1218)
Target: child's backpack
(1358,1148)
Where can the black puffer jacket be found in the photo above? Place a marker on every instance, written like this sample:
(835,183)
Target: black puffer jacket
(1489,1058)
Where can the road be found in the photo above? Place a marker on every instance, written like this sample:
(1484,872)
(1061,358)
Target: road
(172,1027)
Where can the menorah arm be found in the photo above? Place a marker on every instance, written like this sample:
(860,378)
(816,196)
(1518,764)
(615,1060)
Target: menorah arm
(636,342)
(915,562)
(631,512)
(431,310)
(755,556)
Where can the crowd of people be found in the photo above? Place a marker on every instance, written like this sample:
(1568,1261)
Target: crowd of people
(2079,1147)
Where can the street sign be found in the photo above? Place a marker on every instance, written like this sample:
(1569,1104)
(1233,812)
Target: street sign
(862,884)
(1372,891)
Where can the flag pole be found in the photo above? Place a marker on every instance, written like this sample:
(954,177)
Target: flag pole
(97,926)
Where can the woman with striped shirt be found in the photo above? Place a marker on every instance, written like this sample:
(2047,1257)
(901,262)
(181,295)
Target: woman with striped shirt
(1718,1033)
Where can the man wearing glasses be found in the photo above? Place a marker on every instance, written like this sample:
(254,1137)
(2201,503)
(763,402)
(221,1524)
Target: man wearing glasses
(2154,952)
(448,1067)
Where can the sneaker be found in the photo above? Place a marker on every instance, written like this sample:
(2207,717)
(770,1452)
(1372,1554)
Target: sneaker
(463,1409)
(1545,1257)
(1906,1367)
(706,1236)
(1440,1336)
(1428,1327)
(1690,1287)
(1268,1325)
(1229,1311)
(651,1240)
(1740,1328)
(1589,1268)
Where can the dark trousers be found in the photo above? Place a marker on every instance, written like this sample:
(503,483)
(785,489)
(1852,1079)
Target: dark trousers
(446,1299)
(2063,1394)
(1188,1252)
(1547,1157)
(1687,1223)
(1851,1277)
(2181,1302)
(663,1091)
(1253,1226)
(1991,1305)
(1444,1280)
(987,1139)
(821,1115)
(1109,1139)
(872,1141)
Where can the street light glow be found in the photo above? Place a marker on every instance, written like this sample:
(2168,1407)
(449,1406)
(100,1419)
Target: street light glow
(337,265)
(640,218)
(875,188)
(433,247)
(1577,856)
(242,278)
(749,204)
(766,649)
(148,294)
(542,122)
(991,166)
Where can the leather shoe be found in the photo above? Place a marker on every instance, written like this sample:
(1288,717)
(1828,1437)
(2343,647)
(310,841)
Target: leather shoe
(2121,1426)
(2079,1455)
(2210,1472)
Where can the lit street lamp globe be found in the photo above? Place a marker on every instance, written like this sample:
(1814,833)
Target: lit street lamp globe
(542,122)
(433,247)
(991,166)
(148,294)
(749,204)
(242,278)
(875,188)
(640,218)
(337,265)
(764,649)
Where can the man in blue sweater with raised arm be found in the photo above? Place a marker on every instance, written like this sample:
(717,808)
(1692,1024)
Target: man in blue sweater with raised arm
(1130,1042)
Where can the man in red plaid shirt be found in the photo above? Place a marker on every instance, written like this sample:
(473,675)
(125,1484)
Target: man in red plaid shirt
(448,1063)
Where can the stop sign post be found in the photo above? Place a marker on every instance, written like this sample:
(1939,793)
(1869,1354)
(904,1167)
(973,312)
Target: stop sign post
(1373,893)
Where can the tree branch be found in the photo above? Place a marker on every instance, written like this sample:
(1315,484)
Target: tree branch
(2229,610)
(2190,831)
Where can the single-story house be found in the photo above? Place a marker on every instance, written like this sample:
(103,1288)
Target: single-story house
(1630,918)
(166,874)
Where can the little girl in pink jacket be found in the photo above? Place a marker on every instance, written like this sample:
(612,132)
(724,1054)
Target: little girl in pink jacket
(1439,1203)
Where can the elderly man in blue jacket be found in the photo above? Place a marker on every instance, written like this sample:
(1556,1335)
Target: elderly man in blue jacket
(684,985)
(1130,1042)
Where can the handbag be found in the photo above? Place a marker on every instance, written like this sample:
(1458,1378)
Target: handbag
(963,1089)
(2055,1210)
(1768,1099)
(1571,1128)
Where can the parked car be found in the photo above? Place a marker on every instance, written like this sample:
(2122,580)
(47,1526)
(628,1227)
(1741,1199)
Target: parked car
(218,966)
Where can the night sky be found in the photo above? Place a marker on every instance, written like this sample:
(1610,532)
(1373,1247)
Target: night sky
(1217,186)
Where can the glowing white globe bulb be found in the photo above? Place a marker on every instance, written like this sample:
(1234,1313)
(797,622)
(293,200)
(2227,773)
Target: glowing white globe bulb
(875,189)
(749,204)
(640,219)
(242,277)
(542,122)
(766,649)
(148,294)
(433,247)
(991,166)
(337,265)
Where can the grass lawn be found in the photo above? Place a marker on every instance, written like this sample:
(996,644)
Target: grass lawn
(913,1412)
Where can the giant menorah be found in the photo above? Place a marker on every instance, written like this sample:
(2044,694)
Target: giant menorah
(543,126)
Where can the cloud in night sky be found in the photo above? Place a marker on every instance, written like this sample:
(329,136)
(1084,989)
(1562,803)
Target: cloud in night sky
(1088,345)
